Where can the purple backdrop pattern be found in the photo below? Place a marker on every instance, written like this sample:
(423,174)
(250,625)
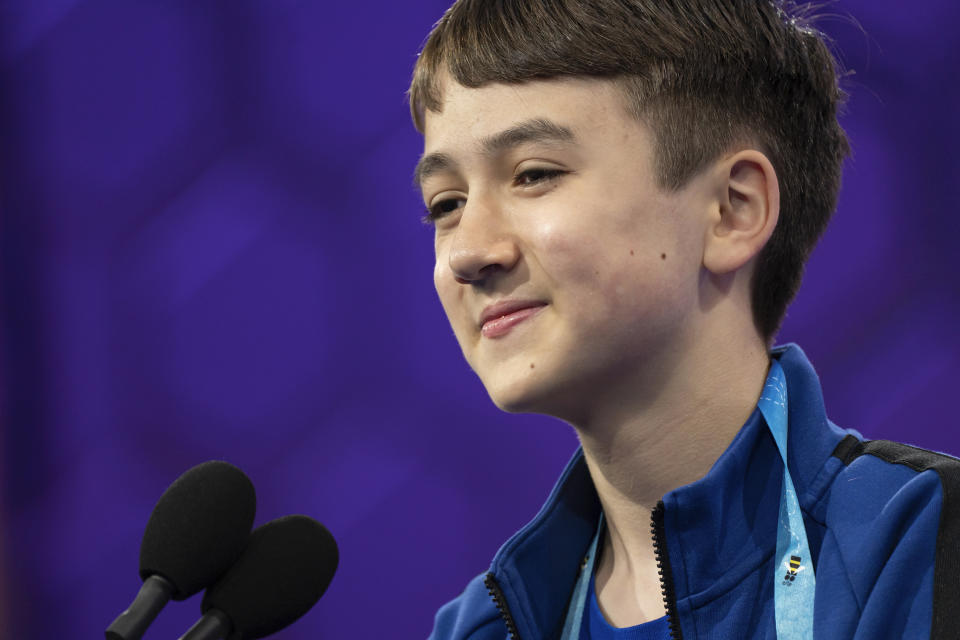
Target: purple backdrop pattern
(211,249)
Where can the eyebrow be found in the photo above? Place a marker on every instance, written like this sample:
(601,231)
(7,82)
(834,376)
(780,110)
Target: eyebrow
(538,130)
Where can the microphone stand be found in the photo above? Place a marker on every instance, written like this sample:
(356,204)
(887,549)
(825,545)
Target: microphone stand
(214,625)
(132,623)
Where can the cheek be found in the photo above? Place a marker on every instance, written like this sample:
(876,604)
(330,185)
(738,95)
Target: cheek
(438,278)
(604,259)
(447,291)
(567,254)
(613,274)
(588,280)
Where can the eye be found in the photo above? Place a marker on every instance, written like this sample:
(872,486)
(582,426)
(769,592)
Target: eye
(532,177)
(442,208)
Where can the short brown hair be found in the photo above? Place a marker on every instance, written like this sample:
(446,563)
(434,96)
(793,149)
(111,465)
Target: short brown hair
(703,74)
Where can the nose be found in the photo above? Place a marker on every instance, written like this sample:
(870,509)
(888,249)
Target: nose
(483,244)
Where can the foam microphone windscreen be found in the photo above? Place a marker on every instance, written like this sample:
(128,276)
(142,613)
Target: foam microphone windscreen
(287,565)
(199,527)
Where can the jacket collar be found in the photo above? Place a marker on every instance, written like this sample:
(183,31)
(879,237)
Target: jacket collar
(718,528)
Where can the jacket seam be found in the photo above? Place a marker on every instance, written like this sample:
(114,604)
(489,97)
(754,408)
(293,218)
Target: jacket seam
(846,574)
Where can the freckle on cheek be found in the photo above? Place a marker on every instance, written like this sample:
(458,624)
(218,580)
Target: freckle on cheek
(631,251)
(531,365)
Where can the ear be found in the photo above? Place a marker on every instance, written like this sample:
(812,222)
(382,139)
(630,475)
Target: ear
(749,205)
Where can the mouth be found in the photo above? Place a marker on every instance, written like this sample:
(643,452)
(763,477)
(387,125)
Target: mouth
(499,319)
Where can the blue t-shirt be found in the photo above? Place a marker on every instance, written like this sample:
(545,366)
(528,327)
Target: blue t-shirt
(596,627)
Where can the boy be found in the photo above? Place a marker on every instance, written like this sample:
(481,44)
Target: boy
(624,194)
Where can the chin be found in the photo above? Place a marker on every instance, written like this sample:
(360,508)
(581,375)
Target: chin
(515,387)
(512,405)
(520,396)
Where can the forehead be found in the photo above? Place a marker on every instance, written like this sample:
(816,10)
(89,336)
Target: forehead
(471,115)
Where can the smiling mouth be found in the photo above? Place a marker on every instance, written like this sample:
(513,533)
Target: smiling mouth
(502,325)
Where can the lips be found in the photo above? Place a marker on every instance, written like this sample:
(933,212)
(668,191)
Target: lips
(498,319)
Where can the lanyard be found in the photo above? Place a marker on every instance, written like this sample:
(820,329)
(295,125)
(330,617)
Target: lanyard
(793,579)
(578,602)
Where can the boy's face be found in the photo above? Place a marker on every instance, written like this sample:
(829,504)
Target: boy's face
(548,207)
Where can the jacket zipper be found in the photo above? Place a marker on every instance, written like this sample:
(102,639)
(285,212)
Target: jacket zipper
(663,568)
(497,594)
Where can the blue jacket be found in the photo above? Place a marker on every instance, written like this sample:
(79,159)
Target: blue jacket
(882,520)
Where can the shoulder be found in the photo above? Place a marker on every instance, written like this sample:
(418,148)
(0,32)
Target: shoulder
(892,519)
(886,489)
(888,481)
(470,616)
(852,449)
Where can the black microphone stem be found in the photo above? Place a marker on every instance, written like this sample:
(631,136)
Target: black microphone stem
(132,623)
(214,625)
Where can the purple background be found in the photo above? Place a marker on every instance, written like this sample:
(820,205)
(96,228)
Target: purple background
(211,249)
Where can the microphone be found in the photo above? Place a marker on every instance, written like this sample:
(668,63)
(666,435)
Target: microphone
(197,529)
(287,565)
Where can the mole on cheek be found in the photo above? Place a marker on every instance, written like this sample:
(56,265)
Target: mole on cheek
(631,251)
(663,256)
(531,365)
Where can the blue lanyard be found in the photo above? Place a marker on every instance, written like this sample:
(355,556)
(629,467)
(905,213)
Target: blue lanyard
(793,579)
(578,602)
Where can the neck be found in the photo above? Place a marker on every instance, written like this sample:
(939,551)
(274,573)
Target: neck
(639,448)
(661,429)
